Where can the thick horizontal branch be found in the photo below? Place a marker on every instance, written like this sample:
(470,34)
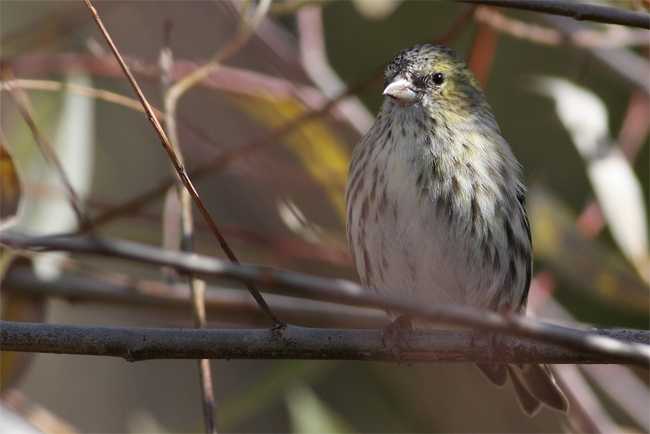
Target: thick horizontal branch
(341,291)
(135,344)
(575,10)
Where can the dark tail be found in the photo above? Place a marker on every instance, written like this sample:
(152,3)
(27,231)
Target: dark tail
(534,385)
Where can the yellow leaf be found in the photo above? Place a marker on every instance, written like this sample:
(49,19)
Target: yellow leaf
(11,191)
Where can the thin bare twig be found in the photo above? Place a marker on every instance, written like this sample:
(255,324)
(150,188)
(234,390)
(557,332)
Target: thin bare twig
(339,291)
(577,11)
(223,305)
(180,169)
(104,95)
(135,344)
(353,88)
(23,104)
(225,79)
(197,286)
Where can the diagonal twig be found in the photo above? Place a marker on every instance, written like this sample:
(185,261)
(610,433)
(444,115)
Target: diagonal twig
(180,168)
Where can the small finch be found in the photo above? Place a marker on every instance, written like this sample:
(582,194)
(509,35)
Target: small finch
(435,203)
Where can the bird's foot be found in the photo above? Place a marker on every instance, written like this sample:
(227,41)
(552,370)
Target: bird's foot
(401,327)
(493,345)
(278,329)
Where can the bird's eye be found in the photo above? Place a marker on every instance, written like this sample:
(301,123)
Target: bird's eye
(438,78)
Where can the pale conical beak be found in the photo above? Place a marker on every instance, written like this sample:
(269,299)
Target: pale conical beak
(401,90)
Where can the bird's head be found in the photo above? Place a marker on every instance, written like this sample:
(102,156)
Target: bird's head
(434,77)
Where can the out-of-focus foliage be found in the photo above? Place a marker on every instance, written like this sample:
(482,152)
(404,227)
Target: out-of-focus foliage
(593,269)
(613,180)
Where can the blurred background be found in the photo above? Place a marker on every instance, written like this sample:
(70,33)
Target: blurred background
(570,97)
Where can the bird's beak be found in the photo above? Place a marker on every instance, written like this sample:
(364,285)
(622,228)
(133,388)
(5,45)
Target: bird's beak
(401,90)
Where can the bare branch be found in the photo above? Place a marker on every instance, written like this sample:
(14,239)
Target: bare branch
(341,291)
(135,344)
(180,168)
(104,95)
(224,305)
(197,286)
(577,11)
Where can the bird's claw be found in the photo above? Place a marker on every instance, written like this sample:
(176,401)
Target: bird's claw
(493,345)
(278,329)
(492,348)
(401,327)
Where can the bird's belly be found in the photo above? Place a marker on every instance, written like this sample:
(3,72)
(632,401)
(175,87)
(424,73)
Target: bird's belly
(425,241)
(415,257)
(411,248)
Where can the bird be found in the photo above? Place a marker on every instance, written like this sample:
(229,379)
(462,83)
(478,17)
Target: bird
(435,204)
